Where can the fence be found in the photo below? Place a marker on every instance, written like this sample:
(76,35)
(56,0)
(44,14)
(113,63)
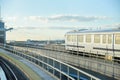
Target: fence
(103,66)
(57,68)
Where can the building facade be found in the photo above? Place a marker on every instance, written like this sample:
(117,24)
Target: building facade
(2,32)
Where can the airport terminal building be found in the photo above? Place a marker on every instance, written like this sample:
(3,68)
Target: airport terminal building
(2,32)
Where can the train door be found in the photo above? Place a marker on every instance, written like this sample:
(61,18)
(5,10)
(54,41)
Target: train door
(80,42)
(117,44)
(109,46)
(88,41)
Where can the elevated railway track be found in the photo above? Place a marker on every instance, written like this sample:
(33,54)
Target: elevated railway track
(58,68)
(96,64)
(10,75)
(61,48)
(2,74)
(11,71)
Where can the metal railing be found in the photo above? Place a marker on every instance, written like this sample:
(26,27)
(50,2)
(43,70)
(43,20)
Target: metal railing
(57,68)
(102,65)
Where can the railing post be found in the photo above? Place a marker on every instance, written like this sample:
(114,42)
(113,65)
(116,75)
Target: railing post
(53,66)
(78,75)
(60,72)
(47,63)
(68,71)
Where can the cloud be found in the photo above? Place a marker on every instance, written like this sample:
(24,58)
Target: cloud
(12,18)
(36,18)
(117,25)
(35,22)
(66,18)
(45,27)
(62,27)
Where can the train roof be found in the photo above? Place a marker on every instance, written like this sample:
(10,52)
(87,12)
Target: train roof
(94,31)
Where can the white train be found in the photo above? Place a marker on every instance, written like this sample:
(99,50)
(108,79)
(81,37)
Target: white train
(102,42)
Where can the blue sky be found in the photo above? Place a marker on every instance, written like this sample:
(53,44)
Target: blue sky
(51,19)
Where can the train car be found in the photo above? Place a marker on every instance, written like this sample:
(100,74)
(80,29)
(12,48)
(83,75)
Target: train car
(102,42)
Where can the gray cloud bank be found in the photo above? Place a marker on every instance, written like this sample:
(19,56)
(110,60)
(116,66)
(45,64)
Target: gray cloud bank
(68,18)
(114,26)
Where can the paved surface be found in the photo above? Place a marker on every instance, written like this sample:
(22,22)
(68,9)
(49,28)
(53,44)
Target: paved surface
(35,68)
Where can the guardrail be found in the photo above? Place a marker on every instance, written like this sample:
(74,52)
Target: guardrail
(57,68)
(61,48)
(57,73)
(108,68)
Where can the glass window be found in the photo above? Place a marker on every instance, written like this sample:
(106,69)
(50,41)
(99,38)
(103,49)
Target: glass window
(117,38)
(74,38)
(96,38)
(109,39)
(2,32)
(80,38)
(88,38)
(104,38)
(1,39)
(69,38)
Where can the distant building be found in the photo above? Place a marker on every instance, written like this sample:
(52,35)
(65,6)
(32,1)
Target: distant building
(2,32)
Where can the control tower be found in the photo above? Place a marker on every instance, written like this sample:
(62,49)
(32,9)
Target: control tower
(3,30)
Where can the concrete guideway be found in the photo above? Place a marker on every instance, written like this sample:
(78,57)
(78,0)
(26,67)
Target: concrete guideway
(56,68)
(10,69)
(81,64)
(77,61)
(42,75)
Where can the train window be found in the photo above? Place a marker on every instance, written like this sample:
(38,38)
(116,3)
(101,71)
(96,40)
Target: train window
(109,39)
(104,38)
(117,38)
(71,38)
(88,38)
(75,38)
(68,38)
(96,38)
(80,38)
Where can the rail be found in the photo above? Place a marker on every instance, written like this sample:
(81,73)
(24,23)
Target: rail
(34,60)
(88,61)
(61,48)
(10,74)
(57,68)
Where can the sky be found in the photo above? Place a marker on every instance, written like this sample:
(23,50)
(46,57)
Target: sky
(51,19)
